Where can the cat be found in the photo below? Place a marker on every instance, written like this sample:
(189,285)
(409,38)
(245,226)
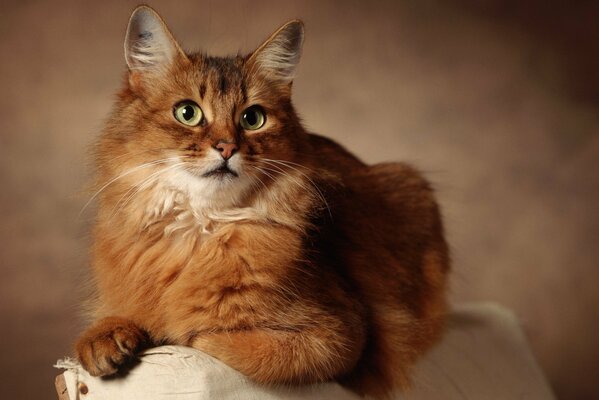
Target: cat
(223,225)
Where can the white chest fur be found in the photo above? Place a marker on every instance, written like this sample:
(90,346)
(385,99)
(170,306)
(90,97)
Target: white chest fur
(196,206)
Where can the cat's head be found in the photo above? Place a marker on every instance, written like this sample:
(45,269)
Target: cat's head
(214,126)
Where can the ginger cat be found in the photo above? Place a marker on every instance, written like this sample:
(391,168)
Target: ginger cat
(223,225)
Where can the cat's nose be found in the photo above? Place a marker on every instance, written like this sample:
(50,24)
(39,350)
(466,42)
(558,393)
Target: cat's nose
(226,149)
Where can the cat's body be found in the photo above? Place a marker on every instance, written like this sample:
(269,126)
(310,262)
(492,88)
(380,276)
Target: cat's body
(272,249)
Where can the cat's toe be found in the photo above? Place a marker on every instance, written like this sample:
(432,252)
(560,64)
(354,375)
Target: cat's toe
(108,345)
(99,356)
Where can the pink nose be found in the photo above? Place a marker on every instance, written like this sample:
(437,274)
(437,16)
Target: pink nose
(226,149)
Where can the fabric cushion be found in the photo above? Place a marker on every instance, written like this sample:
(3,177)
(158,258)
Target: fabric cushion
(483,355)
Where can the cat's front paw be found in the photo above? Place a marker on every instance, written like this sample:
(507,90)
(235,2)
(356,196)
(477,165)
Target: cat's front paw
(109,344)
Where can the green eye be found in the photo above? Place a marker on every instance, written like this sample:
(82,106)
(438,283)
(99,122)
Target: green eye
(252,118)
(188,113)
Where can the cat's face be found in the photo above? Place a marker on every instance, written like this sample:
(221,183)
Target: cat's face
(213,126)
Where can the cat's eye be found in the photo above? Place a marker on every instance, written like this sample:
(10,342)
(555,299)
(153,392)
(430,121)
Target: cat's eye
(188,113)
(252,118)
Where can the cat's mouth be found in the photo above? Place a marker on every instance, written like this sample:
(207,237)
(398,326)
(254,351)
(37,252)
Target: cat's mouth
(220,172)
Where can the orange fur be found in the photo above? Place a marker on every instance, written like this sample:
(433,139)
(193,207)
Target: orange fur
(307,266)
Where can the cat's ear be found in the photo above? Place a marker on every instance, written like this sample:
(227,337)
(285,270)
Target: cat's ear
(149,44)
(278,56)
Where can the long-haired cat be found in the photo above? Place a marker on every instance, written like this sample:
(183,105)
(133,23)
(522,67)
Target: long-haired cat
(223,225)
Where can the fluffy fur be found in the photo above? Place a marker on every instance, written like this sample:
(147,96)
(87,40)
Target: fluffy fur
(300,264)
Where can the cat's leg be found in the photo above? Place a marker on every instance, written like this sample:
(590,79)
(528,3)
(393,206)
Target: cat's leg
(273,356)
(108,344)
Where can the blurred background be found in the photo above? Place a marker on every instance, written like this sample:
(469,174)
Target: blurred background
(496,101)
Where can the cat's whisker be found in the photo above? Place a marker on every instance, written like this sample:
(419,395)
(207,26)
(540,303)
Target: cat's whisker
(284,173)
(279,202)
(261,171)
(295,179)
(132,154)
(273,163)
(257,177)
(135,189)
(267,174)
(127,172)
(290,164)
(123,202)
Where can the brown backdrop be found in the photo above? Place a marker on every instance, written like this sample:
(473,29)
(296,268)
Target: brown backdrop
(496,100)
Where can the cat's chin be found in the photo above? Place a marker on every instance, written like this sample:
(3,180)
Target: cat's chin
(219,175)
(208,188)
(220,179)
(222,172)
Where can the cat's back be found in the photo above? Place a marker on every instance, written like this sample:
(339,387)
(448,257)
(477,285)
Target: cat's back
(389,212)
(392,191)
(385,216)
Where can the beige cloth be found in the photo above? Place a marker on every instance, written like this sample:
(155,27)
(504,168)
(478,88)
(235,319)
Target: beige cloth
(484,355)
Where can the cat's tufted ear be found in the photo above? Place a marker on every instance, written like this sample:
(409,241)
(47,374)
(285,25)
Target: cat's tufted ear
(149,44)
(278,56)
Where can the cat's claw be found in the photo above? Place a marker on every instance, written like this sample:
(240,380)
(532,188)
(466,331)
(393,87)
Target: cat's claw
(109,344)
